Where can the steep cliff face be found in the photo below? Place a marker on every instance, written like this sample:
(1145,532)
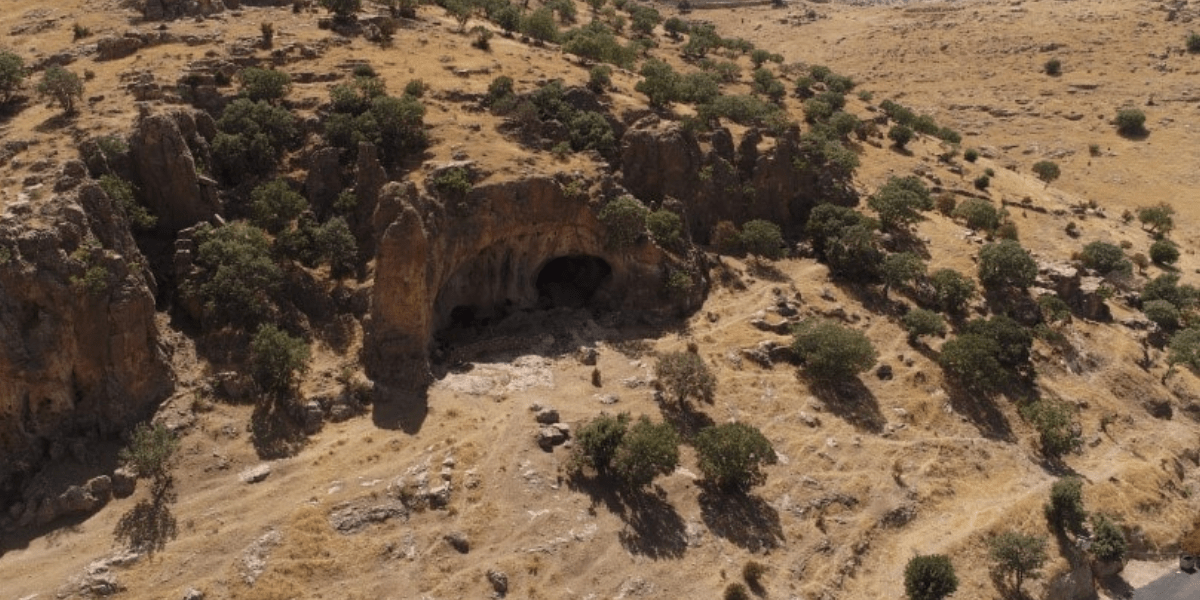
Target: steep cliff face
(494,253)
(778,179)
(79,353)
(164,168)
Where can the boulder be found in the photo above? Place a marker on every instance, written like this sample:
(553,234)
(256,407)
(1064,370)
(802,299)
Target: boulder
(256,473)
(548,437)
(124,482)
(547,416)
(459,541)
(165,172)
(112,48)
(499,581)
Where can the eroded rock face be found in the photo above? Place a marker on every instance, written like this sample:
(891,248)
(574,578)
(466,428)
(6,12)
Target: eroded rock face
(79,352)
(165,171)
(484,254)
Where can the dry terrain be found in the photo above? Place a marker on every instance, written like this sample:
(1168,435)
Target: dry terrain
(864,481)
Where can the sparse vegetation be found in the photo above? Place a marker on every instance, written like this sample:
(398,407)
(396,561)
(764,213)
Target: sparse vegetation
(666,228)
(684,375)
(979,215)
(1065,510)
(900,135)
(151,451)
(63,86)
(1018,556)
(625,221)
(1046,170)
(1164,252)
(1053,67)
(1193,42)
(12,74)
(1108,543)
(1006,264)
(920,323)
(762,238)
(832,353)
(970,155)
(1057,434)
(1162,313)
(732,455)
(929,577)
(121,192)
(1131,122)
(1160,218)
(277,358)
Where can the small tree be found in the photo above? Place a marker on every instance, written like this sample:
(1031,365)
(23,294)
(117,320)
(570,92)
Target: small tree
(762,238)
(1105,258)
(151,451)
(596,443)
(540,25)
(1053,67)
(1006,264)
(1046,170)
(277,358)
(970,360)
(685,375)
(732,455)
(978,214)
(832,353)
(666,228)
(920,322)
(343,9)
(646,451)
(625,221)
(275,204)
(900,202)
(12,73)
(1164,252)
(952,290)
(62,86)
(902,270)
(1057,435)
(1193,42)
(1131,122)
(1018,555)
(264,84)
(929,577)
(1108,543)
(900,135)
(1162,313)
(660,83)
(1065,510)
(1184,348)
(1159,218)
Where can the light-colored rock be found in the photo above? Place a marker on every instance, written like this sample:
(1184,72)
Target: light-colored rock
(256,473)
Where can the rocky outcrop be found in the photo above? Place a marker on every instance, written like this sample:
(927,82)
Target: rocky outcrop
(79,352)
(483,255)
(165,170)
(1084,294)
(779,182)
(166,10)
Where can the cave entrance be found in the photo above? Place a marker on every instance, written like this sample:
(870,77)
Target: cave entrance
(571,281)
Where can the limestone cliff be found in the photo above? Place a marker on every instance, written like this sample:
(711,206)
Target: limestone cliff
(79,353)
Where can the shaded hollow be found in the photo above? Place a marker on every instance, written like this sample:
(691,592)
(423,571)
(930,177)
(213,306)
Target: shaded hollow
(571,281)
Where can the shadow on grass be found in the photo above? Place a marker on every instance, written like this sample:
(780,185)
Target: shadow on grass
(1116,586)
(853,402)
(55,123)
(746,520)
(274,431)
(980,409)
(149,525)
(395,408)
(686,421)
(652,526)
(766,271)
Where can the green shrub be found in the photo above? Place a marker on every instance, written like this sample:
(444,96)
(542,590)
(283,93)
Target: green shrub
(335,244)
(591,131)
(1193,42)
(454,183)
(1184,347)
(676,27)
(643,20)
(684,375)
(854,253)
(660,83)
(1065,510)
(1057,434)
(1046,170)
(1108,543)
(762,238)
(929,577)
(830,352)
(500,88)
(765,83)
(275,204)
(415,88)
(1131,122)
(342,8)
(1053,67)
(1105,258)
(946,204)
(264,84)
(1006,264)
(507,17)
(237,276)
(900,135)
(743,110)
(920,322)
(1018,555)
(828,221)
(12,73)
(1012,340)
(540,25)
(596,443)
(151,451)
(970,360)
(666,228)
(121,192)
(1053,308)
(277,358)
(731,456)
(62,86)
(971,155)
(752,573)
(251,137)
(982,182)
(1167,287)
(1164,252)
(599,79)
(597,42)
(726,238)
(900,202)
(736,591)
(646,451)
(952,290)
(902,270)
(1162,313)
(624,220)
(1160,217)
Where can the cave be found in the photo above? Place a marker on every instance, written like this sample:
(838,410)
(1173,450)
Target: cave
(571,281)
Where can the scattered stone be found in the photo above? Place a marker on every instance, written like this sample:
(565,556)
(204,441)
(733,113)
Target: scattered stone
(254,557)
(608,398)
(312,417)
(588,355)
(459,541)
(552,435)
(350,518)
(547,416)
(193,594)
(499,581)
(809,420)
(256,473)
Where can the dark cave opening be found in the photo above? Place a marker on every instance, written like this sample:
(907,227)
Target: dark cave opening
(571,281)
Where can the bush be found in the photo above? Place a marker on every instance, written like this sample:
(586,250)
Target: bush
(1057,434)
(743,110)
(237,276)
(62,86)
(335,244)
(252,136)
(660,83)
(1184,347)
(920,322)
(900,202)
(1167,287)
(1053,308)
(1164,252)
(901,270)
(832,353)
(952,290)
(500,88)
(1162,313)
(979,215)
(277,358)
(1046,170)
(12,73)
(1006,264)
(971,155)
(675,27)
(1131,122)
(1013,341)
(1053,67)
(264,84)
(752,573)
(275,204)
(945,203)
(982,182)
(900,135)
(596,443)
(507,18)
(540,25)
(736,591)
(151,451)
(762,238)
(684,375)
(453,183)
(666,228)
(726,238)
(121,193)
(1019,555)
(625,221)
(1108,542)
(1065,510)
(415,88)
(929,577)
(599,79)
(970,360)
(646,451)
(643,20)
(342,8)
(1193,42)
(766,84)
(1160,218)
(732,455)
(597,42)
(828,221)
(401,126)
(1105,258)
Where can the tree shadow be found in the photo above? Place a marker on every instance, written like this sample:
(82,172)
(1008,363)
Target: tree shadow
(853,402)
(652,526)
(396,408)
(12,108)
(981,410)
(746,520)
(149,525)
(766,271)
(1116,586)
(55,123)
(686,421)
(275,432)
